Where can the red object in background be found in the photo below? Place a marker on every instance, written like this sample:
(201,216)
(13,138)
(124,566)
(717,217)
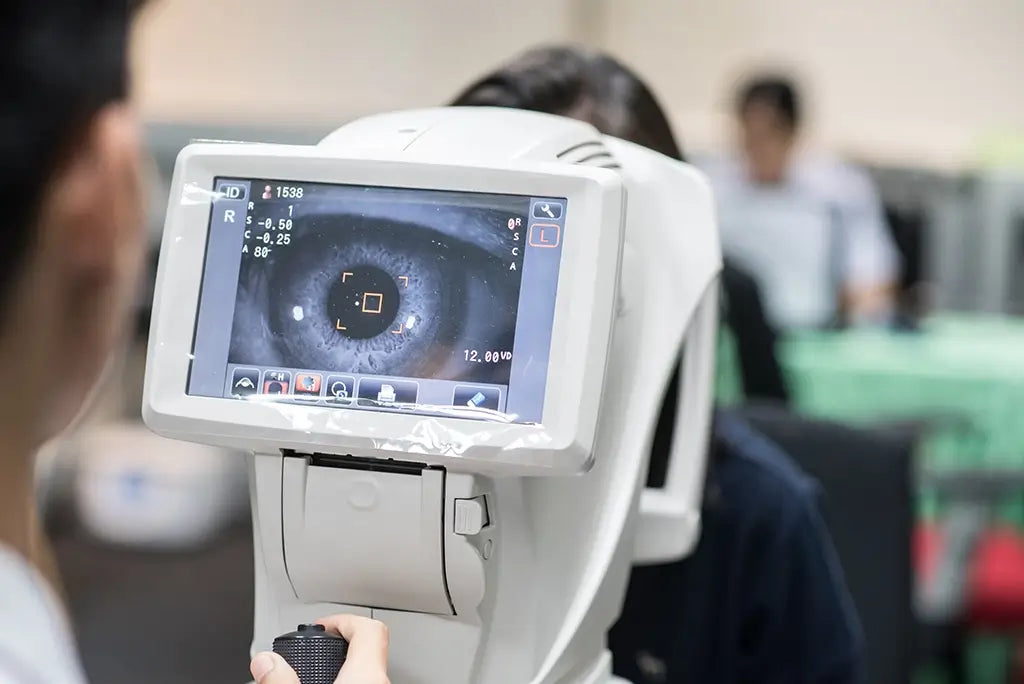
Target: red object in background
(997,581)
(927,547)
(996,576)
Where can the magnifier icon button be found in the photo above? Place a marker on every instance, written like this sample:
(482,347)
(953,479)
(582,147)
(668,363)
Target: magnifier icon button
(340,388)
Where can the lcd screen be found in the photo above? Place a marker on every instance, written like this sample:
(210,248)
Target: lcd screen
(374,298)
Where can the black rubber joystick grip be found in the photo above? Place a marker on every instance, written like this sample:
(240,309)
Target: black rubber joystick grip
(314,654)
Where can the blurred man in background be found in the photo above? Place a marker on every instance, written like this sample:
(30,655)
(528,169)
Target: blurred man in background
(811,229)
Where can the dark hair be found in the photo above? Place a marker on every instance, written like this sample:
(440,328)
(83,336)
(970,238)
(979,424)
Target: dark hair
(580,84)
(61,61)
(777,92)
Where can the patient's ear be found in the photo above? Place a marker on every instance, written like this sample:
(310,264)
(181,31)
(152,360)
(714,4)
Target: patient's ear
(81,274)
(91,216)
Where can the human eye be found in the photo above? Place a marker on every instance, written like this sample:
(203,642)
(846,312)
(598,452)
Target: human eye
(383,289)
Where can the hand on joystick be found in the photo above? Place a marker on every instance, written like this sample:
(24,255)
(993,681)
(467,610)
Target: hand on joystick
(366,662)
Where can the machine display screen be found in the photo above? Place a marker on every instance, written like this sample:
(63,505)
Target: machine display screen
(375,298)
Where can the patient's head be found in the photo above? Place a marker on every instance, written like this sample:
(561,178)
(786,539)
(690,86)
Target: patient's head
(72,213)
(580,84)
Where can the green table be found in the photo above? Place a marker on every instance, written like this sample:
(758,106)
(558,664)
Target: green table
(964,374)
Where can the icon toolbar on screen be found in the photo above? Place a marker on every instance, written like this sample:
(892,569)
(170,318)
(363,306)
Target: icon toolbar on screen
(341,389)
(307,385)
(477,397)
(232,191)
(388,391)
(245,382)
(548,210)
(277,382)
(545,235)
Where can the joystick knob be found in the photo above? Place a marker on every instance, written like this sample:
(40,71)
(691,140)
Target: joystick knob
(314,654)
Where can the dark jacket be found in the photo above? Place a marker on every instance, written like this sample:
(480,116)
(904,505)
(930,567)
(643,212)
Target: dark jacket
(762,599)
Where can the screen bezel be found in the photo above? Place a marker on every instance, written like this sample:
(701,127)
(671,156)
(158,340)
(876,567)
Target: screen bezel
(588,280)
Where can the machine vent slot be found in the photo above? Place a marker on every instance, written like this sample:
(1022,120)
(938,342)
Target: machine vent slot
(589,153)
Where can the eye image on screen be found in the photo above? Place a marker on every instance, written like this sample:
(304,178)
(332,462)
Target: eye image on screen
(378,298)
(380,281)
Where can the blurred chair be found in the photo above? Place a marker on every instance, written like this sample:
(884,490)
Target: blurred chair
(1000,205)
(744,313)
(908,228)
(867,478)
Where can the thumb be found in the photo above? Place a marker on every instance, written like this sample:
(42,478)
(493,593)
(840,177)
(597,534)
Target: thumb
(270,668)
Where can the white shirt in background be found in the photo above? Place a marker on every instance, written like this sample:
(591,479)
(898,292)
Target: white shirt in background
(822,230)
(36,646)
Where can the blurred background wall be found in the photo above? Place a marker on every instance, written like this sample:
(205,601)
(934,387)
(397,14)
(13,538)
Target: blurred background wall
(317,62)
(910,82)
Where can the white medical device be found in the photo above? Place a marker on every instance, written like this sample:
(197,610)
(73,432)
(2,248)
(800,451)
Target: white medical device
(445,336)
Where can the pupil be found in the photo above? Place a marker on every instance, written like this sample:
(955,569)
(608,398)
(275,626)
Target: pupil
(363,302)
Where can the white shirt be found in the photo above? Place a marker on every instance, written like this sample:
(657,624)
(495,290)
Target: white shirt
(820,231)
(35,640)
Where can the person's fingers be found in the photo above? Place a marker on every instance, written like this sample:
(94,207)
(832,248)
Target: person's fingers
(270,668)
(367,660)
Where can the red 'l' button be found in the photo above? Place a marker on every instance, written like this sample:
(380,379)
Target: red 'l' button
(545,235)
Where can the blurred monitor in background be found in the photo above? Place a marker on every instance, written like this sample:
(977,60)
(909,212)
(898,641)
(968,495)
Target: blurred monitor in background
(810,228)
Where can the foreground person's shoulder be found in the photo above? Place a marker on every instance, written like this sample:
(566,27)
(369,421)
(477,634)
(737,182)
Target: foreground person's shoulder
(35,640)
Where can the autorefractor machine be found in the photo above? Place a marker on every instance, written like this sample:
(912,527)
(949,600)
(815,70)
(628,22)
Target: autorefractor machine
(444,336)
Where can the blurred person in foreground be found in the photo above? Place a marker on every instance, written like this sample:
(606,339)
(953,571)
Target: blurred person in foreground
(811,228)
(762,598)
(73,236)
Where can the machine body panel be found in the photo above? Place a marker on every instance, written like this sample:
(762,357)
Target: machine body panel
(495,543)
